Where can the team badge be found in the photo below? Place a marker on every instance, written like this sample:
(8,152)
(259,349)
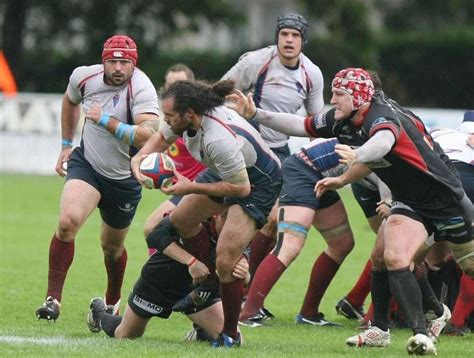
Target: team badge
(115,99)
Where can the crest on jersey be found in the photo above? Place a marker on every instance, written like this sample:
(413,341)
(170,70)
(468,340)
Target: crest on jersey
(115,99)
(299,87)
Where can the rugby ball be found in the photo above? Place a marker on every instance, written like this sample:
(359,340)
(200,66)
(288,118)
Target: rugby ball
(157,168)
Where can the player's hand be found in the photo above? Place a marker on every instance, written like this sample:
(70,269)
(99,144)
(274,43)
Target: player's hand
(198,272)
(241,270)
(135,167)
(243,105)
(327,184)
(383,208)
(94,113)
(61,164)
(182,186)
(347,154)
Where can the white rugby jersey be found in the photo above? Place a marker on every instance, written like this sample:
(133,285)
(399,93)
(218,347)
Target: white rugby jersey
(227,143)
(454,144)
(108,155)
(277,88)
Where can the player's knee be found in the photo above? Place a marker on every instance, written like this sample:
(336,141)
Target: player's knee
(464,256)
(378,262)
(288,248)
(68,227)
(341,247)
(395,260)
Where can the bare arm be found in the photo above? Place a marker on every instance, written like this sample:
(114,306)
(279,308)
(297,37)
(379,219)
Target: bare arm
(70,113)
(353,174)
(290,124)
(146,124)
(198,270)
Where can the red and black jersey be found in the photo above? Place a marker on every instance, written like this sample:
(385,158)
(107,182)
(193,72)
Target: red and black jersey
(416,170)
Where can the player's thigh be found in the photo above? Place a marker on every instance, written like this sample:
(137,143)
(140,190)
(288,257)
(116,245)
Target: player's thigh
(403,237)
(191,211)
(78,201)
(132,325)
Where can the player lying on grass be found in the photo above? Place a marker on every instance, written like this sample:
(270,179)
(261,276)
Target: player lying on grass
(164,281)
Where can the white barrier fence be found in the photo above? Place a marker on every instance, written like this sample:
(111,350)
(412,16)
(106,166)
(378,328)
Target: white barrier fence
(30,133)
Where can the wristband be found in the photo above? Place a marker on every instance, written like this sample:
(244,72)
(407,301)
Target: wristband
(191,261)
(104,119)
(66,143)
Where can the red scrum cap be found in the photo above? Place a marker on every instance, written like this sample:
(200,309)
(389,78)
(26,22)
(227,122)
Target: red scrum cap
(357,82)
(120,47)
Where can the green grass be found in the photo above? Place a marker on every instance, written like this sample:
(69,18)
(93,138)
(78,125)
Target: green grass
(29,208)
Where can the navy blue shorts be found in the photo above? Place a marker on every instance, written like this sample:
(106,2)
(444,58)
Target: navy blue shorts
(118,198)
(366,198)
(299,181)
(257,204)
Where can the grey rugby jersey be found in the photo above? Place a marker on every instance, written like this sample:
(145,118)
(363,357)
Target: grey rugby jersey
(277,88)
(108,155)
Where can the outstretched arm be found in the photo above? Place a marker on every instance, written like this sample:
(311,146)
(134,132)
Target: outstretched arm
(290,124)
(354,173)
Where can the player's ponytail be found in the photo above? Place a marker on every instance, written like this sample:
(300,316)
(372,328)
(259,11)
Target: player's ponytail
(199,96)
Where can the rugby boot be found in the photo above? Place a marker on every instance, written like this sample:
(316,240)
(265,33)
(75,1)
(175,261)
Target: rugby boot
(49,310)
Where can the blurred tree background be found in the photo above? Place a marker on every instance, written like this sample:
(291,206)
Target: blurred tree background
(422,49)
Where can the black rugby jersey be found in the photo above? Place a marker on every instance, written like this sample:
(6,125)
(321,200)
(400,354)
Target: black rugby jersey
(416,170)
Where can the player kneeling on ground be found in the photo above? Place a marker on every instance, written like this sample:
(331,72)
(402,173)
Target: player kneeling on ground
(165,281)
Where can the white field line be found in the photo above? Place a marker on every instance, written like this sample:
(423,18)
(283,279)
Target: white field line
(51,341)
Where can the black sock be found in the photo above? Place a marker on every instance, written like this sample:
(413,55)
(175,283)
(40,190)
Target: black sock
(429,299)
(109,322)
(380,291)
(405,289)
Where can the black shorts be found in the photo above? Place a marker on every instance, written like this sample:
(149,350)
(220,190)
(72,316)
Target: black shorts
(118,198)
(453,224)
(366,198)
(299,181)
(257,204)
(282,152)
(162,283)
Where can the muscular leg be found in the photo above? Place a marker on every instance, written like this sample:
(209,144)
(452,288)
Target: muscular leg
(210,319)
(288,247)
(403,236)
(131,325)
(115,260)
(78,201)
(238,230)
(332,223)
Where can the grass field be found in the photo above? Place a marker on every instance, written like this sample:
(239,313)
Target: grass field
(29,207)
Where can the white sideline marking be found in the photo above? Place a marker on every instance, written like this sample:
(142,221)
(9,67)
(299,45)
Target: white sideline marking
(43,340)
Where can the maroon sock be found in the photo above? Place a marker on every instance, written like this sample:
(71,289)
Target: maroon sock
(199,246)
(465,302)
(231,294)
(266,276)
(361,289)
(260,247)
(323,271)
(61,254)
(115,273)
